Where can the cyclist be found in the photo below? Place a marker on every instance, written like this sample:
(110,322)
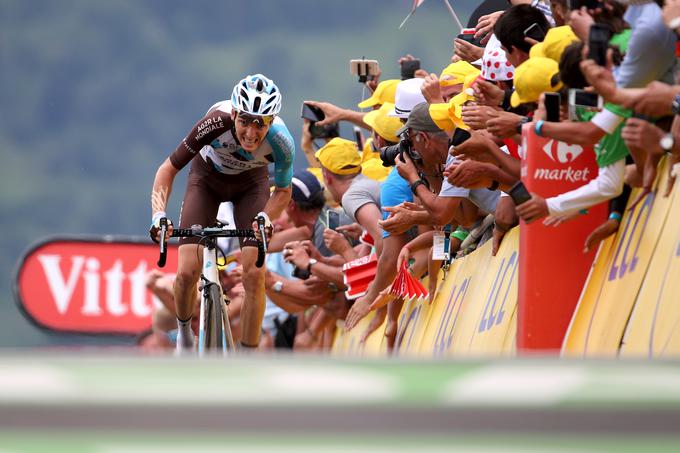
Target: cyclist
(235,141)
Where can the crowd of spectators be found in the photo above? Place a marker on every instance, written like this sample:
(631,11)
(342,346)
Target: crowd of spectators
(441,151)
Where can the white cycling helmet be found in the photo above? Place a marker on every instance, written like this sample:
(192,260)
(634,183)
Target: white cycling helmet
(256,95)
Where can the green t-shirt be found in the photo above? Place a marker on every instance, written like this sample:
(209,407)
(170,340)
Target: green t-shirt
(620,40)
(611,148)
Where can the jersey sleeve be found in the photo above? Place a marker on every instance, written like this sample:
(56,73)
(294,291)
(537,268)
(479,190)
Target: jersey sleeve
(283,150)
(210,127)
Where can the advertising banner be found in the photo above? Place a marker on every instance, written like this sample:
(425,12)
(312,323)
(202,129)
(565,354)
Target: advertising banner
(496,319)
(553,267)
(603,312)
(654,326)
(92,286)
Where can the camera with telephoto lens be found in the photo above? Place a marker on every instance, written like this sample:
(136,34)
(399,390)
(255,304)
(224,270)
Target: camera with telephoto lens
(388,154)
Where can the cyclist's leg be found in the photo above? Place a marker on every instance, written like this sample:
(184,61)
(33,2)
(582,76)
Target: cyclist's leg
(252,310)
(249,203)
(198,208)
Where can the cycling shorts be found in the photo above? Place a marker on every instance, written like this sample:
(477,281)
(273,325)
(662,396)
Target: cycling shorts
(207,188)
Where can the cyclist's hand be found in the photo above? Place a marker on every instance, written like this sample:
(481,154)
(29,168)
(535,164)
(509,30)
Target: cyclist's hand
(155,229)
(268,227)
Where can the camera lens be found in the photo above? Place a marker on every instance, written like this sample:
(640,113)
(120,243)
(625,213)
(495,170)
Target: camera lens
(388,154)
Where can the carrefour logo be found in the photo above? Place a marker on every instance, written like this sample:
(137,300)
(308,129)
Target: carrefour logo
(562,153)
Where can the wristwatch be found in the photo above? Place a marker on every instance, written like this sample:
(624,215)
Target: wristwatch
(667,141)
(522,122)
(675,105)
(414,186)
(277,286)
(309,266)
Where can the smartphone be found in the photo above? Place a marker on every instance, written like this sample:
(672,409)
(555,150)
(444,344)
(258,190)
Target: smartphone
(598,43)
(519,193)
(585,99)
(589,4)
(468,35)
(332,219)
(312,113)
(326,131)
(364,69)
(535,32)
(409,68)
(552,103)
(459,136)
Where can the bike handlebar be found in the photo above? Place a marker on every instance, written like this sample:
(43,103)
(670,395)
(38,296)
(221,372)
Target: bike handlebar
(213,232)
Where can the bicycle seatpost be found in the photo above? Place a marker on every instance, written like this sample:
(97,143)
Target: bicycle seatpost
(164,245)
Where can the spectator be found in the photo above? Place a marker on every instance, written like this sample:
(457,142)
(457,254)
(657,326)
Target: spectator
(510,31)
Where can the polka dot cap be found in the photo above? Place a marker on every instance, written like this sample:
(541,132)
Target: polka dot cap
(495,66)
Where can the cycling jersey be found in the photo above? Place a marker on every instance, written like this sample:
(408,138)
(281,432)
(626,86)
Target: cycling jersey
(214,138)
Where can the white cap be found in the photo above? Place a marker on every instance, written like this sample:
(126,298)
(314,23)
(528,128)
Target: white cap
(408,96)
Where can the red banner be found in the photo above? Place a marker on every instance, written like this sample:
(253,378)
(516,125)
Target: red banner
(89,286)
(553,267)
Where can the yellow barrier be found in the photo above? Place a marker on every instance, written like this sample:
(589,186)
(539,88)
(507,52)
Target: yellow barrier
(619,270)
(473,311)
(654,326)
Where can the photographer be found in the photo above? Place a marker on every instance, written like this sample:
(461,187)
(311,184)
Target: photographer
(430,148)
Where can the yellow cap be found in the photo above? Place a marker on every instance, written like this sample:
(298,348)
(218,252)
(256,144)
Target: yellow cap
(533,77)
(384,92)
(455,73)
(444,116)
(383,125)
(368,153)
(556,40)
(374,169)
(340,156)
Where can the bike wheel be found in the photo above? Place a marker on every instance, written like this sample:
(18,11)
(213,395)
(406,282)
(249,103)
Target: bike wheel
(228,337)
(213,334)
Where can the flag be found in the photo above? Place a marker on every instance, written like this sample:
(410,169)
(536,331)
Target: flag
(416,4)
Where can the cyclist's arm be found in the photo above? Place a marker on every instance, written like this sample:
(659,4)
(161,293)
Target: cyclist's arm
(278,201)
(207,129)
(162,186)
(283,150)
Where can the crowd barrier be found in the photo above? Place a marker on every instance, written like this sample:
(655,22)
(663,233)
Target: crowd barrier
(631,302)
(629,306)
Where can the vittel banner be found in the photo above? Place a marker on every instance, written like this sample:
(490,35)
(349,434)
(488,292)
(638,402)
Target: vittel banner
(95,286)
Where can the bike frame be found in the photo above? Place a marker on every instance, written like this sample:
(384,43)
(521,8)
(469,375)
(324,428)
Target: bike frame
(210,273)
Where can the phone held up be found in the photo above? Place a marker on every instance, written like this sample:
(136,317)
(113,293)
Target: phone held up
(589,4)
(332,219)
(364,69)
(313,115)
(409,68)
(458,137)
(468,35)
(552,103)
(584,101)
(598,43)
(535,32)
(519,193)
